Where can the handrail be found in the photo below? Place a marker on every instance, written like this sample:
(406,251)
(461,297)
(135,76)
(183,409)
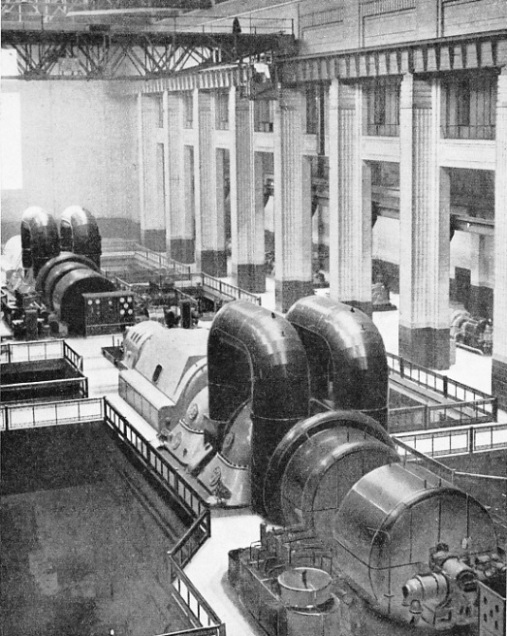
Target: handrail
(459,479)
(100,409)
(35,350)
(161,260)
(184,492)
(227,289)
(425,416)
(457,440)
(206,280)
(195,535)
(408,452)
(32,350)
(73,357)
(11,389)
(36,415)
(197,608)
(432,380)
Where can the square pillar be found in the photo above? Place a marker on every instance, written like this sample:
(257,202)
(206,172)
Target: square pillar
(480,303)
(180,210)
(350,217)
(211,256)
(292,199)
(424,228)
(499,369)
(247,205)
(152,172)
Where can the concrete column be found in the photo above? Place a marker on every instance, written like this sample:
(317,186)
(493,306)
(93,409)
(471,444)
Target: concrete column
(350,237)
(152,172)
(180,218)
(480,303)
(499,370)
(210,233)
(247,205)
(292,199)
(424,229)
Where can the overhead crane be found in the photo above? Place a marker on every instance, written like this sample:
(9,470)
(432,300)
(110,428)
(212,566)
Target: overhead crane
(132,44)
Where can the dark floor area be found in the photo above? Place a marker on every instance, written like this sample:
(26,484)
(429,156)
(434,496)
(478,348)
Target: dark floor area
(84,554)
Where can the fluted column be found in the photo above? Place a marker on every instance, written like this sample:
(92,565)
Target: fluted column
(180,220)
(480,302)
(424,229)
(349,200)
(152,173)
(210,234)
(499,371)
(247,205)
(292,199)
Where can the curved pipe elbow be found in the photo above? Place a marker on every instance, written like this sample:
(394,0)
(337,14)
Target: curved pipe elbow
(39,238)
(255,353)
(79,233)
(347,358)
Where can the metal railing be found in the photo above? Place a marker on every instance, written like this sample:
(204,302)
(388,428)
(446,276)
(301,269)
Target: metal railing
(226,289)
(194,605)
(161,261)
(35,391)
(185,494)
(457,440)
(478,131)
(431,380)
(490,490)
(206,281)
(37,350)
(411,418)
(51,414)
(191,541)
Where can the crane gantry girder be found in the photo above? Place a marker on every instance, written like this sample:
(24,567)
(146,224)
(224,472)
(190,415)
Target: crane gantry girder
(94,51)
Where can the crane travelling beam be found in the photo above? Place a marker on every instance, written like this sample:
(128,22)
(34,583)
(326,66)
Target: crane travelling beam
(108,52)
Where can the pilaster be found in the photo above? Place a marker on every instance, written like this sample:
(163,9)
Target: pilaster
(499,370)
(292,199)
(180,217)
(210,230)
(152,173)
(424,229)
(247,205)
(349,200)
(480,303)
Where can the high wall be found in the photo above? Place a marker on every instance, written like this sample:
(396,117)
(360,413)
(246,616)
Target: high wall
(331,25)
(78,146)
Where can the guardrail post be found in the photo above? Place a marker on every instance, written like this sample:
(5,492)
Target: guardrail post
(471,439)
(402,367)
(446,380)
(426,417)
(494,409)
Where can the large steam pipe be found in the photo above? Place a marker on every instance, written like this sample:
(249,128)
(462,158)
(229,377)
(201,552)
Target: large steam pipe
(345,349)
(39,238)
(255,353)
(79,233)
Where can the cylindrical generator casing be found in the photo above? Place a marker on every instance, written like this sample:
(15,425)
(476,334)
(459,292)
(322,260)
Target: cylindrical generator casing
(68,299)
(389,523)
(39,238)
